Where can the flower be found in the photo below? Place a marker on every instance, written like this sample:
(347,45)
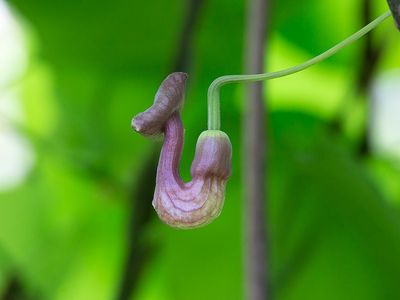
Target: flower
(200,201)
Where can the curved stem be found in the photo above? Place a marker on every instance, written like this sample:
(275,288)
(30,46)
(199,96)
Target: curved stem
(213,90)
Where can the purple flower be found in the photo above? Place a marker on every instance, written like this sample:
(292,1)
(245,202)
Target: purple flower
(198,202)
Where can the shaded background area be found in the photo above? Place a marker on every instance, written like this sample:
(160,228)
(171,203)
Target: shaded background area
(76,183)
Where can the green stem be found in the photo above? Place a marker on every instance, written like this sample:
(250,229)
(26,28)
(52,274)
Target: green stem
(213,90)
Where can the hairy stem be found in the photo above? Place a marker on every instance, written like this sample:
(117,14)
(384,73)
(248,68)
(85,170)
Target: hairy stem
(213,91)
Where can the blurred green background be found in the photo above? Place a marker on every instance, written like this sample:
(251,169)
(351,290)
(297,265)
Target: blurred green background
(76,182)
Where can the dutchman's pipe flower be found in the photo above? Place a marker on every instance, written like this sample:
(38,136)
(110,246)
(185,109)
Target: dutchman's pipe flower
(198,202)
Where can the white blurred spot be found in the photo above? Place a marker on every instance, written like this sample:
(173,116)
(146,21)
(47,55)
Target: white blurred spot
(16,155)
(13,58)
(385,126)
(10,106)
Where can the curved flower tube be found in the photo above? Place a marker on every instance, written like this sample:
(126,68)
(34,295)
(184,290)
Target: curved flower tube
(198,202)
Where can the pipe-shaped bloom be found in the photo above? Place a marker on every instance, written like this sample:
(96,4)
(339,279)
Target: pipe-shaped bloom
(198,202)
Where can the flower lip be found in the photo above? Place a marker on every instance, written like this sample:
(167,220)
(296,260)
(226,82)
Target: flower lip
(136,125)
(168,99)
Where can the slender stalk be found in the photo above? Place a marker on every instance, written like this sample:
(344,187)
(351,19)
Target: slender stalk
(213,90)
(254,157)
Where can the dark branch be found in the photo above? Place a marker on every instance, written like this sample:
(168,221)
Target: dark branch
(142,211)
(370,57)
(395,8)
(254,156)
(140,216)
(13,290)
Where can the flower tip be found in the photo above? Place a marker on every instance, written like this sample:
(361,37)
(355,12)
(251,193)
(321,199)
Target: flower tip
(168,99)
(136,125)
(178,76)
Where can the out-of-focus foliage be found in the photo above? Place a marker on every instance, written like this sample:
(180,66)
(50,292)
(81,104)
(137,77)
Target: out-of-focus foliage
(333,215)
